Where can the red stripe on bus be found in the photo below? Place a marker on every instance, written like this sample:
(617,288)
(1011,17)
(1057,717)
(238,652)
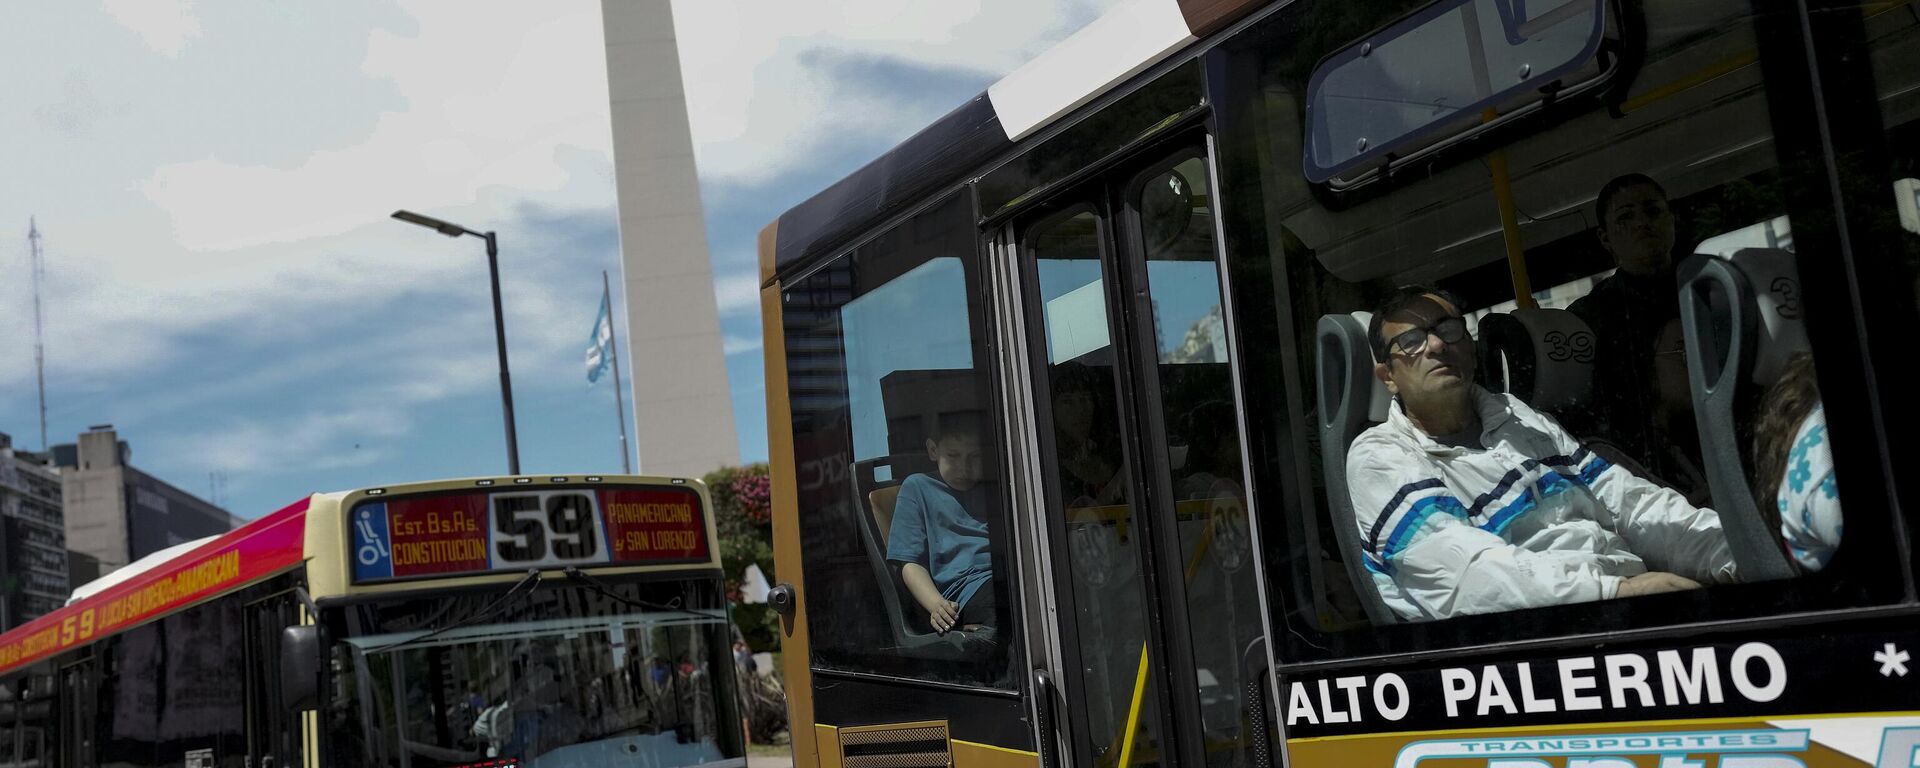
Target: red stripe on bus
(247,554)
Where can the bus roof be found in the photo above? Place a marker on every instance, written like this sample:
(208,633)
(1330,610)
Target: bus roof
(1122,43)
(163,583)
(135,568)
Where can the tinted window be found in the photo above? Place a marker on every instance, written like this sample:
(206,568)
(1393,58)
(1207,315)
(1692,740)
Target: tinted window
(1441,70)
(1635,422)
(29,721)
(1192,376)
(549,676)
(902,515)
(1105,564)
(174,688)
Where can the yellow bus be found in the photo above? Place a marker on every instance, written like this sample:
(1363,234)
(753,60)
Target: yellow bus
(503,621)
(1367,382)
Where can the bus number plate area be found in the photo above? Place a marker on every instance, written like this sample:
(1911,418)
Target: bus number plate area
(405,538)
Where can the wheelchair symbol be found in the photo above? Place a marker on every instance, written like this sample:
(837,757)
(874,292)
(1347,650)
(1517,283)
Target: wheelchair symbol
(374,549)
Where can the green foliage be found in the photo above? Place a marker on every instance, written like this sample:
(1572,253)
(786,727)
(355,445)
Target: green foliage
(743,514)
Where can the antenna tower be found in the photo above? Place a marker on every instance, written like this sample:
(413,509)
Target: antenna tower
(39,267)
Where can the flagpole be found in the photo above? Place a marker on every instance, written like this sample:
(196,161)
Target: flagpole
(619,392)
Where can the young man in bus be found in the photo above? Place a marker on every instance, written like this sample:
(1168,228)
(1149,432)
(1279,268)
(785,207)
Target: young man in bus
(1473,502)
(939,533)
(1628,311)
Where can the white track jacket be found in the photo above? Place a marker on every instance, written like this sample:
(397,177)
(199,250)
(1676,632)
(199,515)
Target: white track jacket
(1532,519)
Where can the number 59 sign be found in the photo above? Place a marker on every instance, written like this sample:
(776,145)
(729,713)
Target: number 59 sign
(546,528)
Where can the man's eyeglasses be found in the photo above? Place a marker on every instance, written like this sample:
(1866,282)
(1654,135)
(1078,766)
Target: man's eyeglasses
(1451,330)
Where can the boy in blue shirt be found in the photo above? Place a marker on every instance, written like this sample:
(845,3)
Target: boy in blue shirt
(939,536)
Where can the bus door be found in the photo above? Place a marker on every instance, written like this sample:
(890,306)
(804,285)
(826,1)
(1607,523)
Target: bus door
(1145,505)
(273,732)
(78,689)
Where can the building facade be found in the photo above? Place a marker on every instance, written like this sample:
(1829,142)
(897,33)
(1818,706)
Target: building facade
(33,549)
(682,409)
(117,514)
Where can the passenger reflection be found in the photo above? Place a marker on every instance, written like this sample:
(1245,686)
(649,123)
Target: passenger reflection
(1088,451)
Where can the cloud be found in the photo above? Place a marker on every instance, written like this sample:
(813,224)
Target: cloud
(738,293)
(76,111)
(765,95)
(223,280)
(313,440)
(164,25)
(143,253)
(733,345)
(493,100)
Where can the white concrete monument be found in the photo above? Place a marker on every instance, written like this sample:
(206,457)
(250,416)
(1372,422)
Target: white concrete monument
(682,407)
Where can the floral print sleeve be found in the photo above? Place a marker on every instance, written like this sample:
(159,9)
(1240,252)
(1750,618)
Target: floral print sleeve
(1809,503)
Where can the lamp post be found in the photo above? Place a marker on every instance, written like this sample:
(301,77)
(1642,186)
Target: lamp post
(499,321)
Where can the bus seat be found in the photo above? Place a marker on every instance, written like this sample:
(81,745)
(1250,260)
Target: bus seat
(880,502)
(1542,356)
(1351,400)
(1741,317)
(909,635)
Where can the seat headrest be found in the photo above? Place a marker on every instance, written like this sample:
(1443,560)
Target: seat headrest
(1781,331)
(1378,398)
(1545,357)
(1350,395)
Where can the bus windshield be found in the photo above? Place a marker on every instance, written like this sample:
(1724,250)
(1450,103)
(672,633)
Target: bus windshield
(558,676)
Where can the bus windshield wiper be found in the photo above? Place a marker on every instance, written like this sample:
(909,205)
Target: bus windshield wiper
(605,591)
(492,609)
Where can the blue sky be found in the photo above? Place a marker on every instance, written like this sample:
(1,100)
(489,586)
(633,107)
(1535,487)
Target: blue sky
(213,183)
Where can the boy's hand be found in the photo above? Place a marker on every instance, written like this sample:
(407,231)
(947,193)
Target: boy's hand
(942,614)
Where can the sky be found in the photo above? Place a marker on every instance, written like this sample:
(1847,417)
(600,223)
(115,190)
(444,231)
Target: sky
(212,182)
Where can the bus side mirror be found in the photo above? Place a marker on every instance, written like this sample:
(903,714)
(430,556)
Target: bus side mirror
(300,667)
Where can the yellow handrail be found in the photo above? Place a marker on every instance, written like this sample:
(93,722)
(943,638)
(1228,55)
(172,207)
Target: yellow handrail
(1140,679)
(1509,224)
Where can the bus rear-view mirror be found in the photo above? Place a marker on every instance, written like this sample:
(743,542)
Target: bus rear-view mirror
(300,668)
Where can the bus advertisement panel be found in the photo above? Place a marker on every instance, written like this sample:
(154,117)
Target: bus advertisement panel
(260,548)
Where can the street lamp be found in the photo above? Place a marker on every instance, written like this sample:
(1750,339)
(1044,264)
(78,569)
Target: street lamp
(499,323)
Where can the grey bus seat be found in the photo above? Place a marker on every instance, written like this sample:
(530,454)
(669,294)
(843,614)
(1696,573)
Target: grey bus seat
(1545,357)
(1742,318)
(1351,400)
(910,633)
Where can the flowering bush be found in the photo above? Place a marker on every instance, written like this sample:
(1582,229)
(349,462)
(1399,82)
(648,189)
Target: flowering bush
(753,491)
(743,513)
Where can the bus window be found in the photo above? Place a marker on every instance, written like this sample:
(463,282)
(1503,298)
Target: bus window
(1586,451)
(1089,471)
(902,516)
(548,677)
(168,690)
(1176,220)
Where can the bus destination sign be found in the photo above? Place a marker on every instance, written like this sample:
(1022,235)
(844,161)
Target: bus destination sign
(404,538)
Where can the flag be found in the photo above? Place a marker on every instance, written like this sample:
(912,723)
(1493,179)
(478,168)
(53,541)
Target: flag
(600,345)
